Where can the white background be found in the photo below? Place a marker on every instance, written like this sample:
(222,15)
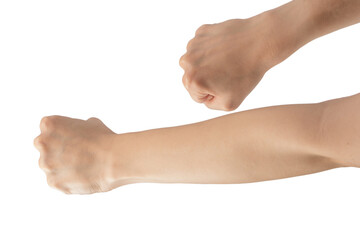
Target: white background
(118,60)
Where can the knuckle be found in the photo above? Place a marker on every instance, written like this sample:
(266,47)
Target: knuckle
(202,29)
(47,123)
(42,164)
(39,142)
(45,165)
(185,81)
(191,55)
(55,182)
(36,141)
(195,80)
(50,180)
(183,60)
(189,59)
(230,106)
(190,44)
(191,75)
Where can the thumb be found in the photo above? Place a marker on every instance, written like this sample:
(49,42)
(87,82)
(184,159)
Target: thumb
(218,103)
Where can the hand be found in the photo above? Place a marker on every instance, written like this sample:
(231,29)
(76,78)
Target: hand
(225,61)
(74,154)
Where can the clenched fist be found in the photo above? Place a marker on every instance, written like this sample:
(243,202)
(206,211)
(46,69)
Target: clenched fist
(225,61)
(74,154)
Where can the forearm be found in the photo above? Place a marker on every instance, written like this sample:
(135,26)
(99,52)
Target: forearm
(331,15)
(301,21)
(256,145)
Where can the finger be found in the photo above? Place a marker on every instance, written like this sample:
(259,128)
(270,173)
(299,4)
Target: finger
(45,142)
(46,124)
(203,29)
(197,90)
(46,164)
(49,159)
(213,105)
(43,165)
(56,122)
(71,185)
(187,60)
(190,44)
(53,123)
(185,82)
(39,143)
(209,98)
(54,181)
(219,103)
(182,61)
(200,97)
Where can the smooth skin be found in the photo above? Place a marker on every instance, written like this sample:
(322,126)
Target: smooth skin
(85,157)
(225,61)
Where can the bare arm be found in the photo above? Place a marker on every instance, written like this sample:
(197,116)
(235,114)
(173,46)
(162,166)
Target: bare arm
(256,145)
(331,15)
(225,61)
(301,21)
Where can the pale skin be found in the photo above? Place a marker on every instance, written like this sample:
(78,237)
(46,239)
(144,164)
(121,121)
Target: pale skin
(222,65)
(262,144)
(225,61)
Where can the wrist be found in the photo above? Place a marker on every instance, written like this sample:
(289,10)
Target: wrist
(123,160)
(289,27)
